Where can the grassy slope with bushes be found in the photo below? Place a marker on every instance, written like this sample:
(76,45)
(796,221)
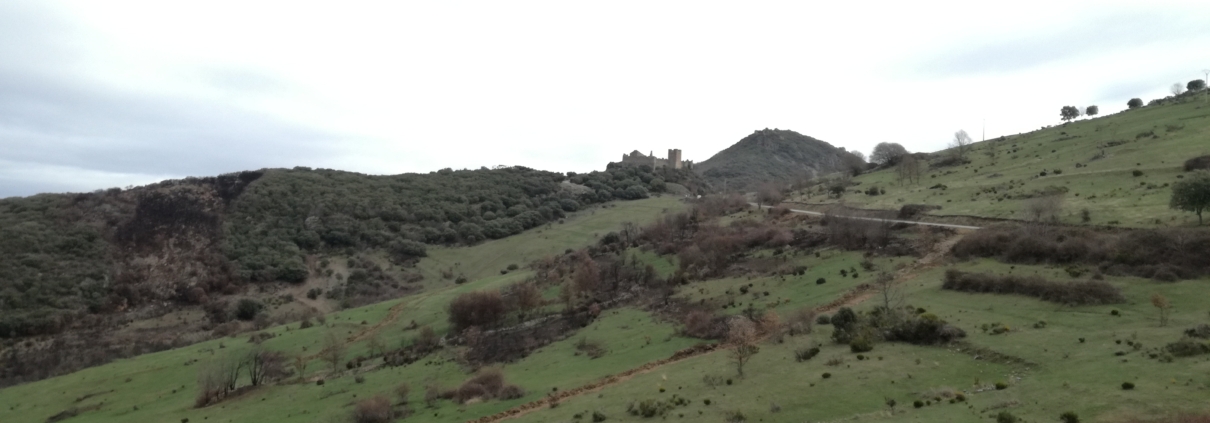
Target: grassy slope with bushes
(67,255)
(1039,358)
(162,385)
(1094,161)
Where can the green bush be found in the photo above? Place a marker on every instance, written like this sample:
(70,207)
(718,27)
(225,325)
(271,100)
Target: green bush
(247,309)
(804,354)
(1006,417)
(1000,386)
(1126,386)
(1069,417)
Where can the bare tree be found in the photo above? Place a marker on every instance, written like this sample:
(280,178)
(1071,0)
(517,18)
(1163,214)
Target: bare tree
(1161,302)
(630,233)
(300,365)
(769,193)
(960,143)
(1045,208)
(526,297)
(908,169)
(741,339)
(333,351)
(263,365)
(1177,89)
(891,294)
(376,346)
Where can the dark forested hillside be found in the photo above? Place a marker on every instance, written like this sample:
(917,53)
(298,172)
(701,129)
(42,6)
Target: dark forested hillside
(66,256)
(774,155)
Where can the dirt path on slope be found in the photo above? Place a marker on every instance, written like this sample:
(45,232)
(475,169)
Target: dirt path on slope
(392,315)
(850,298)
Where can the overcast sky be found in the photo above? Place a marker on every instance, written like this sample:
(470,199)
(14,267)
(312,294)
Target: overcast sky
(101,94)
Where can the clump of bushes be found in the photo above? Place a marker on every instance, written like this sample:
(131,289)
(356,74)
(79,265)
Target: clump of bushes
(477,308)
(1000,386)
(593,349)
(1200,162)
(1069,417)
(704,325)
(804,354)
(1126,386)
(653,408)
(1187,347)
(996,328)
(1006,417)
(1142,253)
(1076,293)
(376,409)
(247,309)
(487,384)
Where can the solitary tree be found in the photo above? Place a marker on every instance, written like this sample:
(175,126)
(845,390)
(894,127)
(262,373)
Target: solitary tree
(891,295)
(769,193)
(1196,85)
(1134,103)
(1160,302)
(1177,88)
(961,142)
(887,153)
(741,337)
(333,351)
(1069,113)
(1092,110)
(908,169)
(1192,194)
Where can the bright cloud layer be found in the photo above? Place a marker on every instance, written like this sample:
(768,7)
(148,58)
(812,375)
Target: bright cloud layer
(100,94)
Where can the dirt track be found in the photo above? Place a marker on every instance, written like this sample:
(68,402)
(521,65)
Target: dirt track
(850,298)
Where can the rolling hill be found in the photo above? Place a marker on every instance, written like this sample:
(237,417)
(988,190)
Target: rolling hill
(1113,170)
(772,155)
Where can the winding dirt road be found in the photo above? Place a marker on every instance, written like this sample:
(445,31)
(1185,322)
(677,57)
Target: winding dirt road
(850,298)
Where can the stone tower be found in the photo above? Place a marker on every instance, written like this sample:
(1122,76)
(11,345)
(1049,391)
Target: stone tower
(674,158)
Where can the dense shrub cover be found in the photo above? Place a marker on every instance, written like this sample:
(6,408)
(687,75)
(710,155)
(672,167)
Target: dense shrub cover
(1076,293)
(1144,253)
(477,308)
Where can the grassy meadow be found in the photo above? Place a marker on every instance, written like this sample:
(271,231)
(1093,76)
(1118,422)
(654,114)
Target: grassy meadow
(1153,140)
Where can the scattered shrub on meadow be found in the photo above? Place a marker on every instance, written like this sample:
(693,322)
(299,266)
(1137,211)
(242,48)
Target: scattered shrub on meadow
(860,345)
(1187,347)
(1006,417)
(376,409)
(1069,417)
(804,354)
(593,349)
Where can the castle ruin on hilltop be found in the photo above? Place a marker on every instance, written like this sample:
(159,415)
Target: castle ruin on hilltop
(635,158)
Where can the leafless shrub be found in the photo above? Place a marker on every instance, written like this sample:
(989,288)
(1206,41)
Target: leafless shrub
(592,349)
(376,409)
(801,321)
(477,308)
(1044,208)
(1078,293)
(704,325)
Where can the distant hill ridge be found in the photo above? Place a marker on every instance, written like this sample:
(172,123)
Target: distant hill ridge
(772,155)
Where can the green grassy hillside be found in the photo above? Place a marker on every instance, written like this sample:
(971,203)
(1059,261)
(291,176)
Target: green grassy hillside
(162,386)
(1076,361)
(1093,160)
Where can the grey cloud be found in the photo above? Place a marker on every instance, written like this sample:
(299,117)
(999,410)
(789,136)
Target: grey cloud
(1089,34)
(51,116)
